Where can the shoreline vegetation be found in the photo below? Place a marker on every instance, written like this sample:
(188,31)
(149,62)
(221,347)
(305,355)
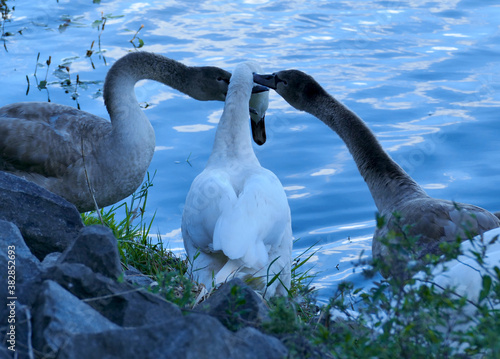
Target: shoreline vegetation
(397,317)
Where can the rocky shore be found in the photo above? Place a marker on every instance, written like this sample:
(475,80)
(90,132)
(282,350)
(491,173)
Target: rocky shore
(67,296)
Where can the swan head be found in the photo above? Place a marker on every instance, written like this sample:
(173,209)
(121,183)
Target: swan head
(259,98)
(211,83)
(297,88)
(259,101)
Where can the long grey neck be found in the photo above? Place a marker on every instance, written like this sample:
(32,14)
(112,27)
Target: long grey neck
(232,138)
(124,74)
(131,128)
(388,183)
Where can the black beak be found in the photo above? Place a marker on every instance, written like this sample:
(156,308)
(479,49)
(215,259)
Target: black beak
(259,132)
(259,89)
(266,80)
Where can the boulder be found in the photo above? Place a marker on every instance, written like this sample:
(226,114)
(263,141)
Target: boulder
(16,257)
(6,353)
(193,336)
(25,286)
(48,223)
(50,260)
(134,276)
(96,247)
(236,305)
(122,303)
(58,315)
(23,333)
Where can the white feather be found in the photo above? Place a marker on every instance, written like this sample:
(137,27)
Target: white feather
(464,274)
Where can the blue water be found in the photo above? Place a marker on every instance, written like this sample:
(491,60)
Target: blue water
(423,75)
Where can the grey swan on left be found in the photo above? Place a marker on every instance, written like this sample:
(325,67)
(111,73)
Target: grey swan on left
(433,220)
(70,152)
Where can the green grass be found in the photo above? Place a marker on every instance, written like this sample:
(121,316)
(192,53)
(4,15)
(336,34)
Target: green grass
(137,248)
(394,319)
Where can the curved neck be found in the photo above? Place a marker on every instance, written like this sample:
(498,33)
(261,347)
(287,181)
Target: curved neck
(119,85)
(232,138)
(388,183)
(131,128)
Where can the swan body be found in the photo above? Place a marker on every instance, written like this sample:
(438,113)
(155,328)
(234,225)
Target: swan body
(72,152)
(393,190)
(464,274)
(236,219)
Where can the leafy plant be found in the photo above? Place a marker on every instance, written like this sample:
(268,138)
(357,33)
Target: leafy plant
(139,40)
(415,317)
(175,287)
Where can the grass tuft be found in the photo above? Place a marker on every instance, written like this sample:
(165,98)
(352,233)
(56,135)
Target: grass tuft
(137,248)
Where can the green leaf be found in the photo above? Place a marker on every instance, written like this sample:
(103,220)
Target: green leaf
(380,220)
(275,277)
(486,287)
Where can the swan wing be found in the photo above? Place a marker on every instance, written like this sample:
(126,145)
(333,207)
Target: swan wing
(437,221)
(46,138)
(256,221)
(210,192)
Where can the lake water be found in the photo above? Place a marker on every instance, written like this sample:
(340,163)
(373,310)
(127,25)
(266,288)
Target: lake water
(424,75)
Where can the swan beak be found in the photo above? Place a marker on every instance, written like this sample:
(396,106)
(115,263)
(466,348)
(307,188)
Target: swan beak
(266,80)
(259,89)
(259,131)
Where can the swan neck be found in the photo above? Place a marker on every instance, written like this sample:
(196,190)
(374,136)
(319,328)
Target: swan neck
(388,183)
(119,95)
(233,137)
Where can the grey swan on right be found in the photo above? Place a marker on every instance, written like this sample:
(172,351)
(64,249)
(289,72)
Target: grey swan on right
(72,152)
(433,220)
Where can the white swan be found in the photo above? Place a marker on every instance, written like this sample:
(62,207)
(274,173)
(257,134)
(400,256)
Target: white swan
(464,277)
(59,147)
(392,189)
(464,274)
(236,219)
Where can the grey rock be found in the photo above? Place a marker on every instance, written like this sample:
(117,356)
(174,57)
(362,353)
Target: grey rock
(47,222)
(134,276)
(50,260)
(268,345)
(122,303)
(96,247)
(191,337)
(236,305)
(58,315)
(24,270)
(4,352)
(22,331)
(24,264)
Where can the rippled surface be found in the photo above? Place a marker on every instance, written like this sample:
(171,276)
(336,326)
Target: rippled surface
(423,75)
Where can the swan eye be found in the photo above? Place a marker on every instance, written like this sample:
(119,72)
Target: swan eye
(221,79)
